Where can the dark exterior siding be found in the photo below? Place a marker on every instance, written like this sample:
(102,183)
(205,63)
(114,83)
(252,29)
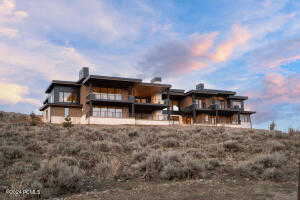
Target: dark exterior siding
(58,89)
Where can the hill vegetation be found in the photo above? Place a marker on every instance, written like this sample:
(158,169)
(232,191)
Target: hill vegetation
(135,162)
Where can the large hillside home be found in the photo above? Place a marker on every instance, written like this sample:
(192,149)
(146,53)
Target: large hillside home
(97,99)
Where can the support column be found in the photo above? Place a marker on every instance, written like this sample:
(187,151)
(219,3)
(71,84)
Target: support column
(168,103)
(239,117)
(194,108)
(251,124)
(90,107)
(132,105)
(217,117)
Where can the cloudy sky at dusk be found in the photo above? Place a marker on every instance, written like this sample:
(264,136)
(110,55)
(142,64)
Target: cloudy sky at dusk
(250,46)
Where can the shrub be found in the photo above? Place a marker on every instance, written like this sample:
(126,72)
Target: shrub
(231,145)
(257,165)
(170,142)
(273,174)
(67,123)
(139,156)
(9,153)
(62,178)
(108,167)
(133,134)
(169,165)
(280,135)
(107,146)
(34,120)
(273,145)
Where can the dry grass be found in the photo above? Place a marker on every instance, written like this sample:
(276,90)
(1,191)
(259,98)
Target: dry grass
(59,160)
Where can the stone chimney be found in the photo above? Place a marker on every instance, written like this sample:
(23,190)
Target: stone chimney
(200,86)
(156,79)
(83,73)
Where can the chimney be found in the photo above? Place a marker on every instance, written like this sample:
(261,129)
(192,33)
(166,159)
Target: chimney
(156,79)
(83,73)
(200,86)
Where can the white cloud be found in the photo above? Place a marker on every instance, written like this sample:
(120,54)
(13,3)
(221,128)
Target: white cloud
(11,93)
(8,32)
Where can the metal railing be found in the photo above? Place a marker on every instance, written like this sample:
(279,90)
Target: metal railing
(151,117)
(106,114)
(106,96)
(152,101)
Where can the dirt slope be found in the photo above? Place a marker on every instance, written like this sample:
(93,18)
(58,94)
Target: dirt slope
(144,162)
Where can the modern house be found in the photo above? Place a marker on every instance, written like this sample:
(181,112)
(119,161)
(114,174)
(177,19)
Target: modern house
(97,99)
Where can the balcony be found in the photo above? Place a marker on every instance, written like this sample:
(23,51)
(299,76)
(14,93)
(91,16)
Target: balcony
(212,107)
(110,97)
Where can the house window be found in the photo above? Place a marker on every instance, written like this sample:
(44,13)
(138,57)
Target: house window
(198,103)
(118,113)
(67,97)
(46,115)
(236,104)
(108,112)
(51,97)
(67,112)
(206,118)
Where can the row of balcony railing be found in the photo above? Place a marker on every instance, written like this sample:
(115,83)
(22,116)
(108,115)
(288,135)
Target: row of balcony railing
(142,116)
(120,97)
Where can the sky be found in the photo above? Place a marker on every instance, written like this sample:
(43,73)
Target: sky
(249,46)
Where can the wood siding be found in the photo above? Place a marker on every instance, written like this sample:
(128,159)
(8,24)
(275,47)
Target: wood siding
(84,90)
(60,111)
(187,101)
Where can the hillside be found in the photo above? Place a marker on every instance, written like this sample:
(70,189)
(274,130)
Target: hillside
(145,162)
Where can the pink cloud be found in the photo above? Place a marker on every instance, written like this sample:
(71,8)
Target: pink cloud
(238,37)
(277,90)
(200,51)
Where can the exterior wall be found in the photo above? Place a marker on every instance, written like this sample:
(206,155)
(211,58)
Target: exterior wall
(151,122)
(57,111)
(242,125)
(157,98)
(46,115)
(59,120)
(111,121)
(84,90)
(186,101)
(56,114)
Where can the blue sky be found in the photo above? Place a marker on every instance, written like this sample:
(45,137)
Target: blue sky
(249,46)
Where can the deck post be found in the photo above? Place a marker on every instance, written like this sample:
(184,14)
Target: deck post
(194,108)
(250,121)
(216,117)
(168,104)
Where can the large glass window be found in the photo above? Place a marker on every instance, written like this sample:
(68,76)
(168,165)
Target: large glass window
(67,112)
(109,112)
(119,113)
(198,103)
(103,112)
(236,104)
(51,97)
(68,97)
(108,93)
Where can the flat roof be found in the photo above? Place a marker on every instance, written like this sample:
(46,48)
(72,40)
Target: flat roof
(238,97)
(177,90)
(156,84)
(211,91)
(111,78)
(59,82)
